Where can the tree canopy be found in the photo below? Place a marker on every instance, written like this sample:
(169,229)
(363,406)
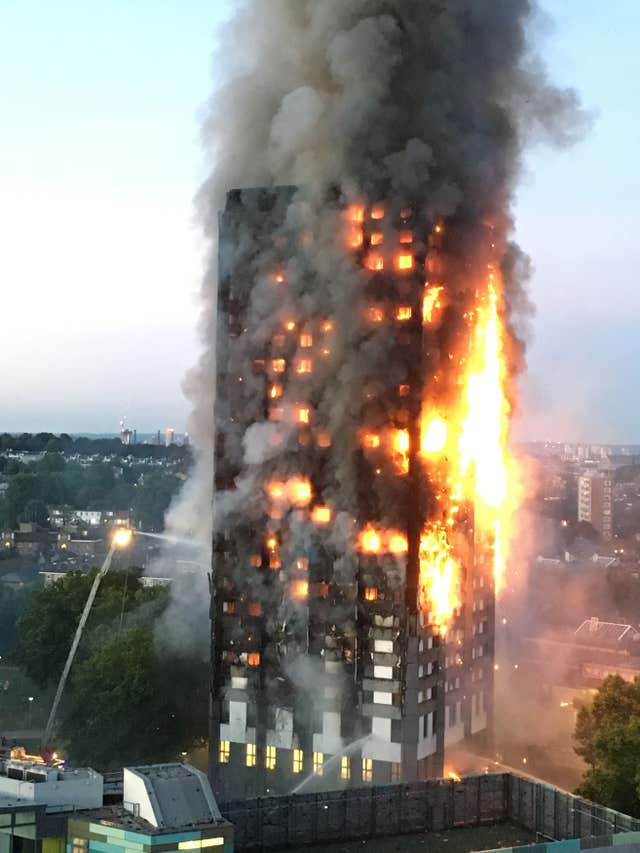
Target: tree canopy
(608,739)
(55,481)
(45,629)
(130,705)
(126,701)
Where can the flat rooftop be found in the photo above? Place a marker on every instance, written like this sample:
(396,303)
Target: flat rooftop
(116,816)
(463,840)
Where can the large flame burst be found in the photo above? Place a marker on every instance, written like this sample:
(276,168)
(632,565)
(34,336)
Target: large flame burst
(469,462)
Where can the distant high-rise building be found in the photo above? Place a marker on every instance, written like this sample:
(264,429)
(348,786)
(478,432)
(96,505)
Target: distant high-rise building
(595,501)
(169,437)
(127,436)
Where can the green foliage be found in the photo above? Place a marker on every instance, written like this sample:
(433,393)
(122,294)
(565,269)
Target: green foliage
(129,705)
(153,496)
(46,628)
(55,482)
(607,737)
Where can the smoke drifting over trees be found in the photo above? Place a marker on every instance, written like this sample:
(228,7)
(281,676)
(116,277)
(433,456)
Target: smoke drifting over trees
(416,102)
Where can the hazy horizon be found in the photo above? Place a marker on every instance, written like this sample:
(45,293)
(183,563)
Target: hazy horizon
(102,257)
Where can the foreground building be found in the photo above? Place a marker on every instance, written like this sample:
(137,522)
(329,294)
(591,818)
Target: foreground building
(48,808)
(328,661)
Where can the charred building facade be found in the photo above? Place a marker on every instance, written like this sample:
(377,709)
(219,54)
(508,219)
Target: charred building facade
(334,658)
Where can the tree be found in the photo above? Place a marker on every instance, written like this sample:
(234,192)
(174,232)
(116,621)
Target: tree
(607,737)
(128,705)
(46,628)
(153,496)
(13,602)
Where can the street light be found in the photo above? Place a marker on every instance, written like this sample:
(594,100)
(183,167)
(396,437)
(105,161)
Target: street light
(120,539)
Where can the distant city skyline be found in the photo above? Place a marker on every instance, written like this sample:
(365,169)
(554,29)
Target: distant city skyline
(102,257)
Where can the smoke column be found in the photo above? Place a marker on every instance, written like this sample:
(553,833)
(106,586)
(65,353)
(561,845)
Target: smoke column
(424,102)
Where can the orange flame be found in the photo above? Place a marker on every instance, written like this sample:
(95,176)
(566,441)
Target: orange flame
(477,468)
(374,262)
(401,447)
(431,302)
(370,541)
(434,435)
(300,589)
(438,576)
(373,540)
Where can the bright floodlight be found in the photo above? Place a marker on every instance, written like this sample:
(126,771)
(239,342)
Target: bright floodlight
(122,537)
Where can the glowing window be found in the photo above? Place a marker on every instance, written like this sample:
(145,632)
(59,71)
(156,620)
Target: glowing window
(279,278)
(374,262)
(305,365)
(276,413)
(322,589)
(321,514)
(201,843)
(356,237)
(298,760)
(404,312)
(304,415)
(251,755)
(306,340)
(356,213)
(403,390)
(300,590)
(300,492)
(371,594)
(377,238)
(324,440)
(275,562)
(270,758)
(224,752)
(405,213)
(367,770)
(302,564)
(375,314)
(290,325)
(253,659)
(371,441)
(275,392)
(276,491)
(228,607)
(278,365)
(377,212)
(406,237)
(254,609)
(318,763)
(345,768)
(405,262)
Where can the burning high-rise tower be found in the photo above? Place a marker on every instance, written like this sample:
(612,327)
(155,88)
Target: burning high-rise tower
(354,569)
(365,347)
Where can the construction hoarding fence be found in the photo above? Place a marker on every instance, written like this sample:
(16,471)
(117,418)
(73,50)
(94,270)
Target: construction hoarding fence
(273,823)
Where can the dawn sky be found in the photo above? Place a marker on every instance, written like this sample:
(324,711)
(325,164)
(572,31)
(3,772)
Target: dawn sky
(100,259)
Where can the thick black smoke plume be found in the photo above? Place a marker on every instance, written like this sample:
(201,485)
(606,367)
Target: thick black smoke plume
(423,102)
